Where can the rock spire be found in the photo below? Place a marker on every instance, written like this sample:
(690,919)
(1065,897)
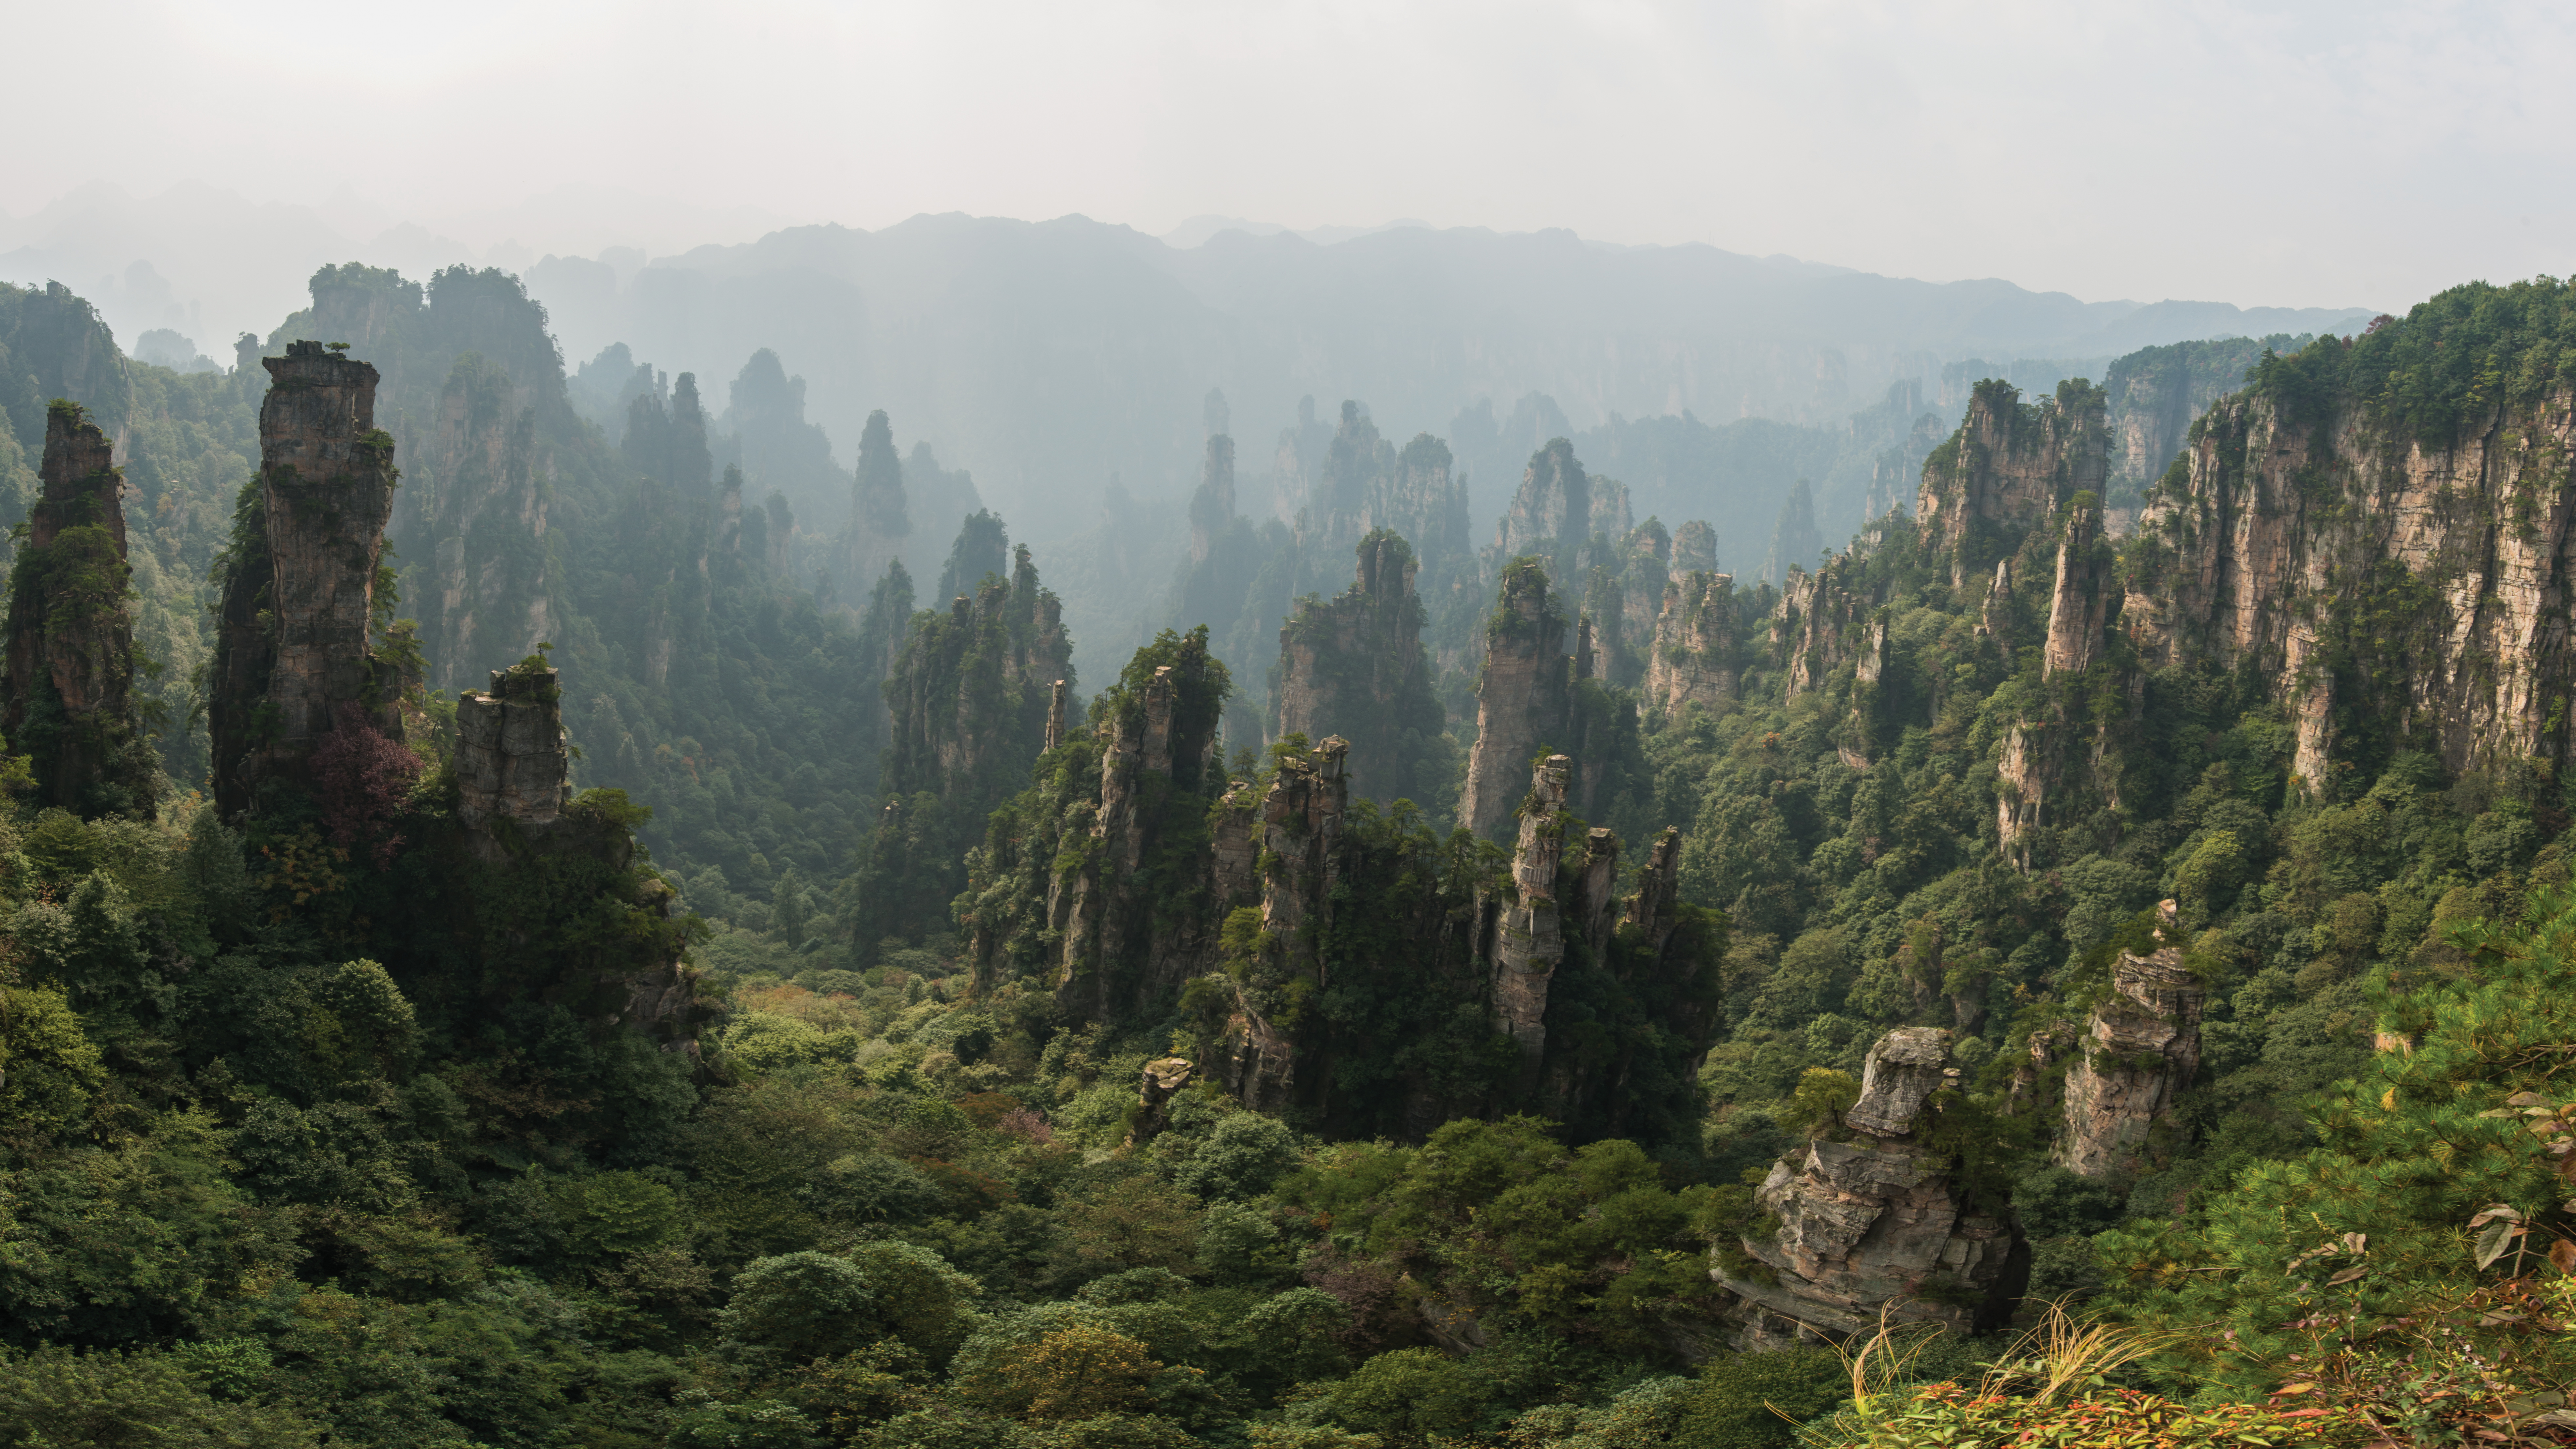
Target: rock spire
(293,656)
(68,704)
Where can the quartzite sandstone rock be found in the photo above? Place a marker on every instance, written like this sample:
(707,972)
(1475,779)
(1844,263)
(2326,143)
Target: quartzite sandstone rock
(1529,942)
(292,644)
(68,704)
(1354,666)
(511,761)
(1878,1222)
(2138,1052)
(2461,552)
(2009,467)
(1523,698)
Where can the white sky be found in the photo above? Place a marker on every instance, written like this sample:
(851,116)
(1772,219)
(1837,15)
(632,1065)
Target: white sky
(2352,153)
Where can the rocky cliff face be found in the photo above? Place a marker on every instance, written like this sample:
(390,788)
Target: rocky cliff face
(2423,586)
(2060,754)
(1422,500)
(1354,666)
(1529,941)
(1522,698)
(2138,1051)
(2008,467)
(973,688)
(481,483)
(2152,397)
(511,762)
(1558,510)
(70,663)
(1879,1221)
(293,658)
(1298,829)
(1693,658)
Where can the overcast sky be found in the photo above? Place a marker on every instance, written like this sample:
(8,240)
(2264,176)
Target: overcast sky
(2350,153)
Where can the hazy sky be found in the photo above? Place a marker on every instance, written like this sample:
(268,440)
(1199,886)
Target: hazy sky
(2350,153)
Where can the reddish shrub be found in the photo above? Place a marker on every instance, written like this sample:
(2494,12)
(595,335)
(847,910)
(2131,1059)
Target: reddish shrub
(362,779)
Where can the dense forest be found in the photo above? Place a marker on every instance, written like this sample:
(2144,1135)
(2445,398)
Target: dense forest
(514,936)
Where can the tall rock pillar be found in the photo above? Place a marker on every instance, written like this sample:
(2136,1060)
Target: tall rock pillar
(1523,698)
(68,705)
(293,661)
(1531,938)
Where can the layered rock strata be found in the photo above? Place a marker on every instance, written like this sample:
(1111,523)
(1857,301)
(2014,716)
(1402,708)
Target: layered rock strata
(68,703)
(2425,582)
(1879,1222)
(293,657)
(512,763)
(2139,1049)
(1529,942)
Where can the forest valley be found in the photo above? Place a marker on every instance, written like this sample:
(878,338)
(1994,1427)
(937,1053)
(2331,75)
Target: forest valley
(513,938)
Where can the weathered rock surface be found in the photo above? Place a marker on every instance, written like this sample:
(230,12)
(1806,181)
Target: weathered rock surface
(1522,699)
(1529,942)
(2139,1050)
(2009,466)
(1162,1079)
(2447,570)
(973,691)
(1212,506)
(1693,658)
(2086,590)
(1558,510)
(1879,1221)
(1354,666)
(68,703)
(293,656)
(511,760)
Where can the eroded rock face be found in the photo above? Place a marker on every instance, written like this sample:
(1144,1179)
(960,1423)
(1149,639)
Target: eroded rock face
(1522,699)
(1813,626)
(1558,503)
(511,762)
(70,664)
(2463,552)
(2138,1051)
(1693,660)
(2009,467)
(1299,829)
(1529,941)
(1354,666)
(1878,1221)
(2080,607)
(1162,1080)
(975,695)
(293,656)
(1212,506)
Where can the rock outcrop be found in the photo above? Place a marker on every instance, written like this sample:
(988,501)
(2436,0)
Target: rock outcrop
(2009,467)
(973,689)
(68,705)
(2138,1051)
(1694,548)
(1297,831)
(2153,395)
(2352,566)
(1354,666)
(512,763)
(1559,509)
(1523,697)
(293,654)
(2080,607)
(1423,499)
(1529,941)
(1879,1222)
(1693,660)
